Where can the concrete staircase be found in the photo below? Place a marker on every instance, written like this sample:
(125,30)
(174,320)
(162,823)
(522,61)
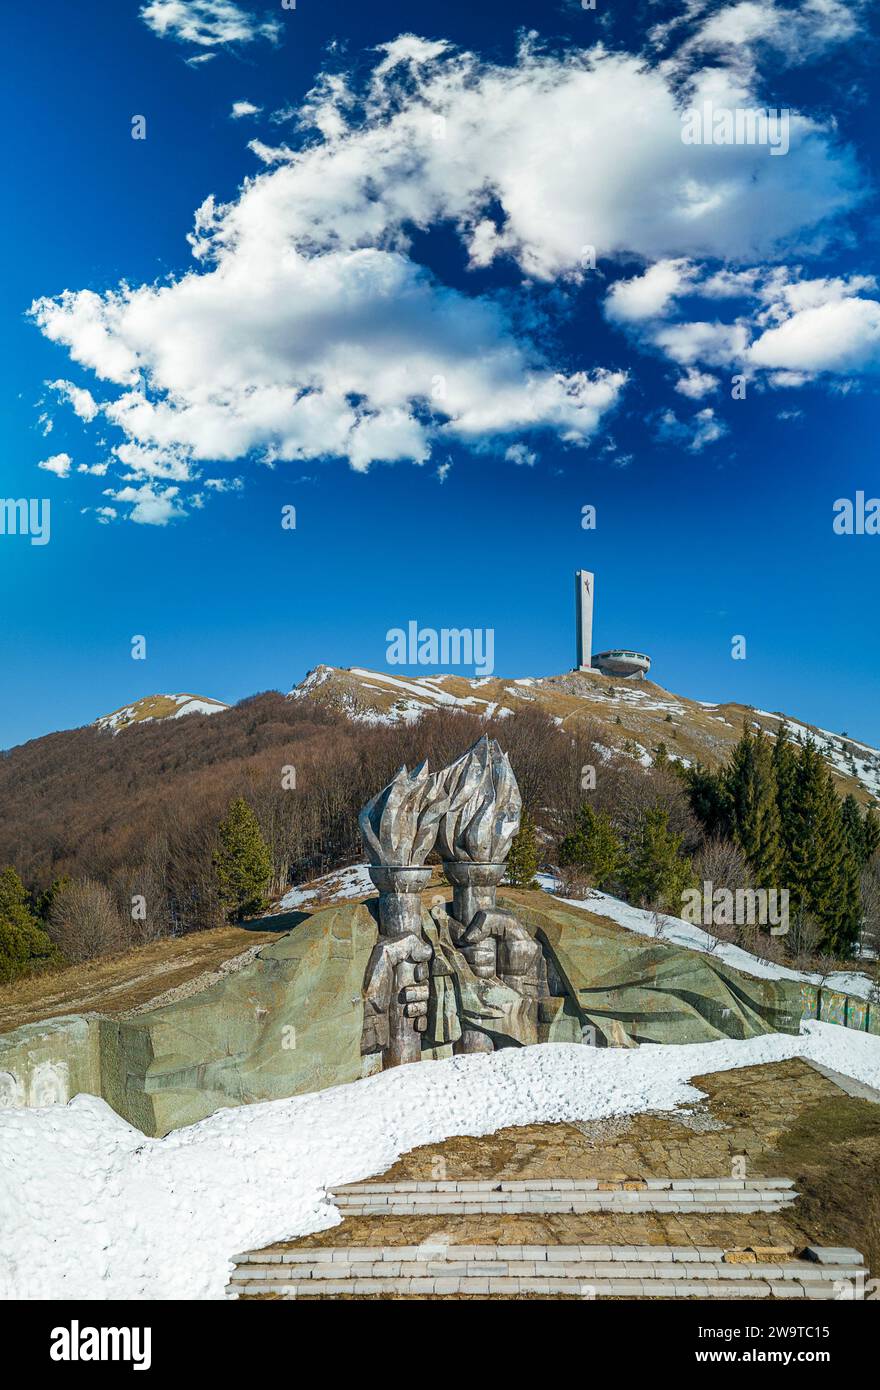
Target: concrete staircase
(439,1267)
(580,1271)
(563,1195)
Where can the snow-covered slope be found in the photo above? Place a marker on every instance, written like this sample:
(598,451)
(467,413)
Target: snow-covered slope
(152,707)
(91,1209)
(632,715)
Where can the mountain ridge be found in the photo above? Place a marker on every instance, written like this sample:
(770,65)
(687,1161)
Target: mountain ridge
(635,716)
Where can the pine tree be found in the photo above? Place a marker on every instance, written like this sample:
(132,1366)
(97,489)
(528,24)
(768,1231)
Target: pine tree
(242,861)
(23,944)
(522,861)
(785,764)
(655,873)
(592,846)
(853,828)
(871,833)
(823,872)
(751,784)
(709,800)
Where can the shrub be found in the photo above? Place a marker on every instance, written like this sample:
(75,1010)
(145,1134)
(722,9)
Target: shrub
(84,921)
(24,945)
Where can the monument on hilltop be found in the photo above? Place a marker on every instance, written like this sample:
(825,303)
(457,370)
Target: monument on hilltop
(618,661)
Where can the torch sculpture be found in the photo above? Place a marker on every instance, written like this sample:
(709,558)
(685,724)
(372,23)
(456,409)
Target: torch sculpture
(474,835)
(398,828)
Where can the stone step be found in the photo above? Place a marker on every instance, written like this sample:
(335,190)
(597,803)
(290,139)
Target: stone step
(584,1271)
(549,1269)
(579,1287)
(817,1263)
(569,1185)
(561,1204)
(565,1195)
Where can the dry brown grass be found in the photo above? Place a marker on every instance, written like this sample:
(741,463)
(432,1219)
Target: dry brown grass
(115,984)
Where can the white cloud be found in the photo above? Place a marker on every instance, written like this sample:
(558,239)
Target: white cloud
(519,454)
(207,23)
(82,400)
(795,329)
(796,31)
(244,108)
(59,464)
(224,484)
(696,433)
(839,336)
(648,296)
(716,344)
(696,384)
(356,353)
(97,470)
(151,506)
(309,330)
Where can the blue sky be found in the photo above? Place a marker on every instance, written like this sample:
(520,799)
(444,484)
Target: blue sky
(411,281)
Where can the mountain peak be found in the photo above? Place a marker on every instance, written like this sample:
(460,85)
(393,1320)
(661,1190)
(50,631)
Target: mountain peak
(152,707)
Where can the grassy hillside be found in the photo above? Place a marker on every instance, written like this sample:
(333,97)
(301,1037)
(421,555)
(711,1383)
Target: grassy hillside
(633,714)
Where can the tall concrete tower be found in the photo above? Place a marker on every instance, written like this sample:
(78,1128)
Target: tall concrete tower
(583,591)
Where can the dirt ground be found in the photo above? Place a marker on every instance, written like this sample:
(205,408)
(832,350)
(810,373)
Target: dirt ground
(116,984)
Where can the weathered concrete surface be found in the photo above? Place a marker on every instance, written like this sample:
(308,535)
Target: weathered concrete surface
(290,1022)
(632,990)
(47,1063)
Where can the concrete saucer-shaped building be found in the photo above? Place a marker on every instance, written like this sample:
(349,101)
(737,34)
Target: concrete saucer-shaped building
(621,663)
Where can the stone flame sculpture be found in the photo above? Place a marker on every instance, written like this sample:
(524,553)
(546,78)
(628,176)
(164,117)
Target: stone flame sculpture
(471,810)
(398,828)
(474,838)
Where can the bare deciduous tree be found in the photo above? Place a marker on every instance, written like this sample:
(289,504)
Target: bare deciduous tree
(84,921)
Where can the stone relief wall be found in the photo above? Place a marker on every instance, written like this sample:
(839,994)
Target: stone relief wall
(362,986)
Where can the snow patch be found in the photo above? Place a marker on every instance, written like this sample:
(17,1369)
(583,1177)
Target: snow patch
(91,1209)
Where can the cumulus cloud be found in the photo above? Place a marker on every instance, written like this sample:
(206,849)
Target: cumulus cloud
(794,329)
(696,384)
(842,335)
(716,344)
(208,23)
(309,329)
(59,464)
(150,506)
(648,296)
(82,400)
(244,108)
